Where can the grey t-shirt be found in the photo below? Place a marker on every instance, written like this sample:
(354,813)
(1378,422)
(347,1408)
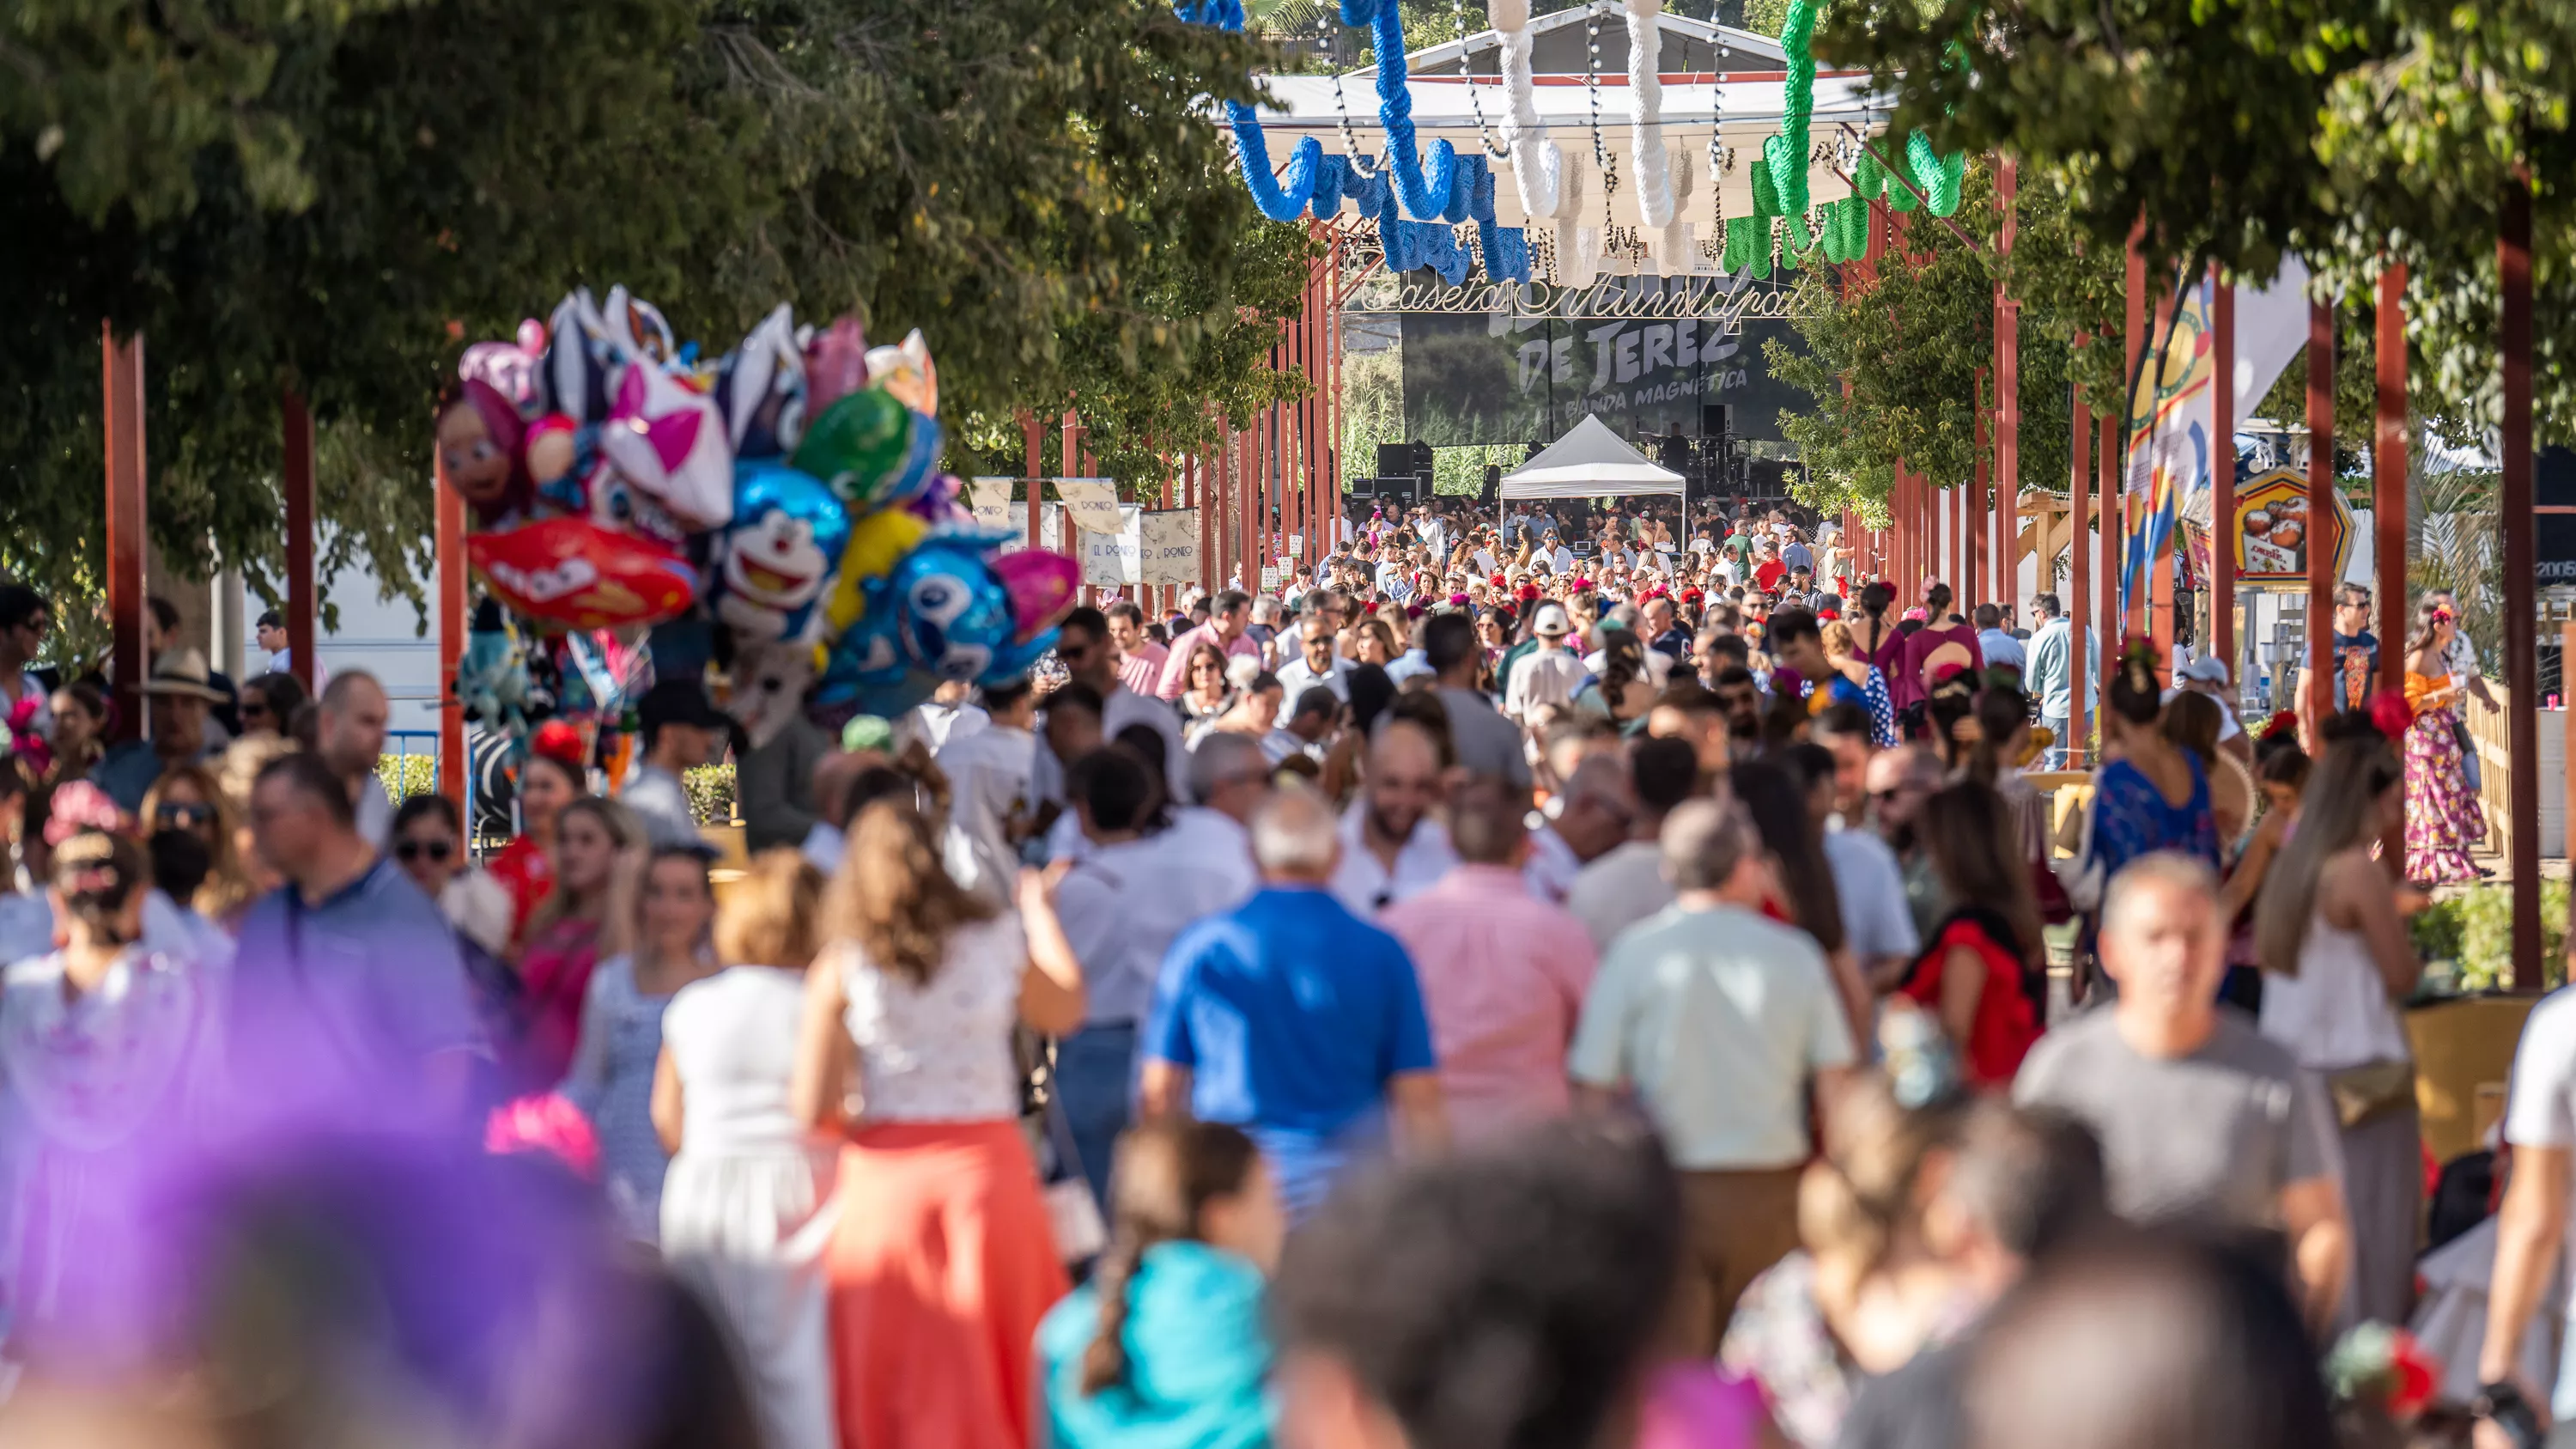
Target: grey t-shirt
(1487,743)
(2210,1138)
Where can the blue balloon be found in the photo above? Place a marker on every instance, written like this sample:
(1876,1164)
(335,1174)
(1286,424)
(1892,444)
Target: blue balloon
(780,556)
(954,615)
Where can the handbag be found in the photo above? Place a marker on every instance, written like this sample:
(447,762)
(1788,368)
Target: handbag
(2085,877)
(2368,1092)
(1073,1214)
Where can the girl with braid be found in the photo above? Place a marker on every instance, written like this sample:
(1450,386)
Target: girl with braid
(1165,1346)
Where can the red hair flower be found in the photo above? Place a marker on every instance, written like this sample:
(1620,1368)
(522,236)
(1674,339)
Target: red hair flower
(2390,712)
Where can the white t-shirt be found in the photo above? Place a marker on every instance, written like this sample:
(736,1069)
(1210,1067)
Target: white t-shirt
(2540,1111)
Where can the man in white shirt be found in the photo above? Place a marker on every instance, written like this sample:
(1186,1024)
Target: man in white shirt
(1547,675)
(1392,848)
(1308,725)
(949,715)
(993,799)
(1083,646)
(1617,890)
(1316,665)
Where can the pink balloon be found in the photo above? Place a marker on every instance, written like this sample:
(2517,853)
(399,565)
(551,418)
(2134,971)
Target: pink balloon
(1041,585)
(836,364)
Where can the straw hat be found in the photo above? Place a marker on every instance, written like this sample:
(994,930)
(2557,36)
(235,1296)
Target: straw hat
(183,672)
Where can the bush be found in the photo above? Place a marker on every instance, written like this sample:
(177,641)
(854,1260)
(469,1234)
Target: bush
(2485,933)
(407,775)
(711,797)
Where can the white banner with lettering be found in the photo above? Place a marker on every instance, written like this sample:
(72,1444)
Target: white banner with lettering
(1093,503)
(1115,559)
(1050,527)
(990,498)
(1170,552)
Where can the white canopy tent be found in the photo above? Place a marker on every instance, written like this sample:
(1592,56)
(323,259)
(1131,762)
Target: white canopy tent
(1590,461)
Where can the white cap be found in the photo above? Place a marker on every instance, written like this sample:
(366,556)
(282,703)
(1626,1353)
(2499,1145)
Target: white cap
(1551,622)
(2207,669)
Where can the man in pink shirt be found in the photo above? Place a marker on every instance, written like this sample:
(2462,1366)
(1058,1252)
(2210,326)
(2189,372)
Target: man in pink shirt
(1140,659)
(1503,974)
(1227,622)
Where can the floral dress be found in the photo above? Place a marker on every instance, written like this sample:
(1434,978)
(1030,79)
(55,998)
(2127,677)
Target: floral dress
(91,1083)
(2443,818)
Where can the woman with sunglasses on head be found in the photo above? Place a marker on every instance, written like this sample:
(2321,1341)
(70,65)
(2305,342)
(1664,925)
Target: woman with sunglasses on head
(188,797)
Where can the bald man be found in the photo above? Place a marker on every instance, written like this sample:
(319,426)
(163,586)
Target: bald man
(352,722)
(1294,1018)
(1392,847)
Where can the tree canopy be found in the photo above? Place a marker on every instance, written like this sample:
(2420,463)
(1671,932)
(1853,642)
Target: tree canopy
(331,199)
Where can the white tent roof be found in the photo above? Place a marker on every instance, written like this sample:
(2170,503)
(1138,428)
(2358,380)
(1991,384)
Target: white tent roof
(1590,461)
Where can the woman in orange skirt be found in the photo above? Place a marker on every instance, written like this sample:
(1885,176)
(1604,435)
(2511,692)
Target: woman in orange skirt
(941,1264)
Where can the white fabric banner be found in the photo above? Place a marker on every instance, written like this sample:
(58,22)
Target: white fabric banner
(1115,558)
(1050,527)
(1093,503)
(990,498)
(1170,552)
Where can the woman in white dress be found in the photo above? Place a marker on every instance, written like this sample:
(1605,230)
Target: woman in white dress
(747,1184)
(615,1061)
(102,1048)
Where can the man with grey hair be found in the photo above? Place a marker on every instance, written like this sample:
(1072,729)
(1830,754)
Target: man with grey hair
(1207,853)
(1727,1026)
(2201,1118)
(1294,1019)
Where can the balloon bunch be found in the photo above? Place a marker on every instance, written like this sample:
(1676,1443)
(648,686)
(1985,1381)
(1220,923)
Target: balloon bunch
(789,493)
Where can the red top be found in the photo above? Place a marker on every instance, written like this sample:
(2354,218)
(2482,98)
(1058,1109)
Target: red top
(1928,649)
(2005,1026)
(523,870)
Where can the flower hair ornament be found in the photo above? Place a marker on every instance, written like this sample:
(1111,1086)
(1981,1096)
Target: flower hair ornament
(2138,663)
(2384,1367)
(80,806)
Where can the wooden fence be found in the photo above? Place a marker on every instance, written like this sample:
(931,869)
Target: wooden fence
(2488,732)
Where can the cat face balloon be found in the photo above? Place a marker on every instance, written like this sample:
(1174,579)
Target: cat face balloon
(668,440)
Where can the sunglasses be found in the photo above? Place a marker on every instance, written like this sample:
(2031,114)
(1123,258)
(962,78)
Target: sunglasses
(410,850)
(252,709)
(183,817)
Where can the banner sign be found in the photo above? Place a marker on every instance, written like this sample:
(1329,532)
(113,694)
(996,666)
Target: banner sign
(1093,501)
(990,498)
(1506,379)
(1170,546)
(1115,557)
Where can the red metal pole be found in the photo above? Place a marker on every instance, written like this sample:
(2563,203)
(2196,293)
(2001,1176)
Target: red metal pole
(121,380)
(2321,579)
(1032,467)
(2079,667)
(2222,474)
(2007,405)
(2106,458)
(298,479)
(450,511)
(2388,473)
(1980,518)
(2521,566)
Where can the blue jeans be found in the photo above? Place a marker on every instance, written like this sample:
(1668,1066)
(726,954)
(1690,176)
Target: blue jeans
(2054,757)
(1094,1071)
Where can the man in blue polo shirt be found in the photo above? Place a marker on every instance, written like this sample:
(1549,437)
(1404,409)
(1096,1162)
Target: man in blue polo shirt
(349,996)
(1294,1019)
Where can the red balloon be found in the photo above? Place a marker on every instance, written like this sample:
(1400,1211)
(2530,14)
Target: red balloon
(573,572)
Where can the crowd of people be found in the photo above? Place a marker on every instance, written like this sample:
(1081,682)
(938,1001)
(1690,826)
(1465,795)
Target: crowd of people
(1570,979)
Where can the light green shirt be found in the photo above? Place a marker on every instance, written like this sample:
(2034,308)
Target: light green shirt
(1719,1019)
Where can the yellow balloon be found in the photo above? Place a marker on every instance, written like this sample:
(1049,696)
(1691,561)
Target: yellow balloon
(877,543)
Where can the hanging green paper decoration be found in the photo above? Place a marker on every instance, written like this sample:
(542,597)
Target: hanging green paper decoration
(1784,156)
(1939,176)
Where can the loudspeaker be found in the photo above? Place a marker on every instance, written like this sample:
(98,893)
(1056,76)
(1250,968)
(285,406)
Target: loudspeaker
(1492,492)
(1394,459)
(1716,420)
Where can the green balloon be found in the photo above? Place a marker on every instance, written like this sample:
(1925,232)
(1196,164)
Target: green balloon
(859,445)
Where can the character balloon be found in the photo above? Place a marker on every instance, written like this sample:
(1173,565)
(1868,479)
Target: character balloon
(780,556)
